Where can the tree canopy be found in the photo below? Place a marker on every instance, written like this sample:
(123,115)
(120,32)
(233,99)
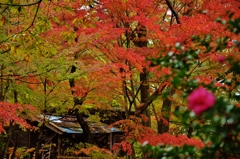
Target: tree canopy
(172,68)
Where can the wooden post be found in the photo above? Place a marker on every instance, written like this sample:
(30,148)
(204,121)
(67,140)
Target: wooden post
(59,146)
(106,141)
(111,141)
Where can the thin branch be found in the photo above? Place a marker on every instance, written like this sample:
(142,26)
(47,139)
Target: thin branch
(34,18)
(198,64)
(164,16)
(5,51)
(28,82)
(4,10)
(173,11)
(135,96)
(35,15)
(126,92)
(155,113)
(154,95)
(30,4)
(133,92)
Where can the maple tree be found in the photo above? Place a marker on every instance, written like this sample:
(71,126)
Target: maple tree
(119,54)
(27,67)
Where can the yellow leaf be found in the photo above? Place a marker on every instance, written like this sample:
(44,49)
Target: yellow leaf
(13,50)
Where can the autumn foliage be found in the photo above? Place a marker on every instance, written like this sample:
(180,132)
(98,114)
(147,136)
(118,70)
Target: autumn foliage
(135,131)
(13,113)
(167,139)
(175,60)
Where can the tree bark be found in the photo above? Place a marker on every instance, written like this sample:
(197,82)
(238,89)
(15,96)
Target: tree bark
(84,125)
(153,96)
(165,112)
(173,11)
(1,84)
(38,144)
(15,143)
(190,131)
(8,140)
(145,96)
(142,42)
(11,123)
(15,94)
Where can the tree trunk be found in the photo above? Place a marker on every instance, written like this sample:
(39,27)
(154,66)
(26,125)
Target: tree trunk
(142,42)
(153,96)
(9,134)
(15,143)
(11,124)
(1,84)
(84,125)
(127,111)
(165,112)
(38,144)
(145,96)
(190,131)
(86,131)
(15,94)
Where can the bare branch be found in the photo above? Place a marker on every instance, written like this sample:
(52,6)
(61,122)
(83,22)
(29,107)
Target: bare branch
(5,51)
(4,10)
(173,11)
(154,95)
(35,15)
(34,18)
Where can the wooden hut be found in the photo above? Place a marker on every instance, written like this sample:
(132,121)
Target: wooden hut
(63,132)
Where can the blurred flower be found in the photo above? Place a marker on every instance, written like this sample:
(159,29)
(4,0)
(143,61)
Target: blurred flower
(221,58)
(230,44)
(200,100)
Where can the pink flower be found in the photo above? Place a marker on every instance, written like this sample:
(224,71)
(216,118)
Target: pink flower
(200,100)
(221,58)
